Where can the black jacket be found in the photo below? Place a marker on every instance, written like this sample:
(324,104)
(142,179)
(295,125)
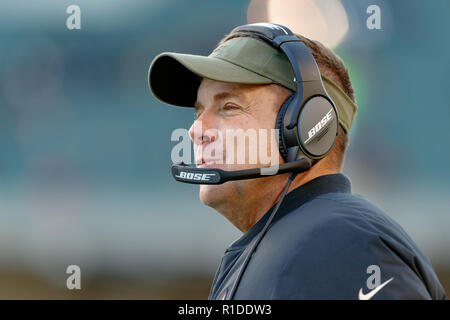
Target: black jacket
(326,243)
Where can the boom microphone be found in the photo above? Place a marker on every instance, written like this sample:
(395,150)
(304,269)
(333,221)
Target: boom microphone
(188,174)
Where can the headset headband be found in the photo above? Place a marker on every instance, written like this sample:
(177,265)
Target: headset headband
(302,61)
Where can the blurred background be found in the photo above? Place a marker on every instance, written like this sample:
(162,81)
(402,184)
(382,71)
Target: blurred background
(85,148)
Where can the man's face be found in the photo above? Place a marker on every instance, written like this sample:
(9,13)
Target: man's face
(221,109)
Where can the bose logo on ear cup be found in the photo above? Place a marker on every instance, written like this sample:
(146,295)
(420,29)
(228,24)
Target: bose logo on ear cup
(321,124)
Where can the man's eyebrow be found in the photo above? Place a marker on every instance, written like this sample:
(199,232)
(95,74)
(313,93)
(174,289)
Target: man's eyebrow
(197,105)
(220,96)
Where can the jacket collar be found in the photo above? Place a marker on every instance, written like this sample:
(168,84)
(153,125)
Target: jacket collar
(330,183)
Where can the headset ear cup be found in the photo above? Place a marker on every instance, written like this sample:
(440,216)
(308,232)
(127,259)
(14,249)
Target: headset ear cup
(317,127)
(280,126)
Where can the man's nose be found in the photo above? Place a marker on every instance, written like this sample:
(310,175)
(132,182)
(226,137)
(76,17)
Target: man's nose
(201,131)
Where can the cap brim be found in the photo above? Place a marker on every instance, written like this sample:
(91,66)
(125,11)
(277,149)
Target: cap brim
(174,78)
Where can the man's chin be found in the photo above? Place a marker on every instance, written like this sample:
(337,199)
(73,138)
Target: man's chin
(213,195)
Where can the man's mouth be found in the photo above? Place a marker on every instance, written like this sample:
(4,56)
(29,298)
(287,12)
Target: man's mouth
(205,160)
(208,164)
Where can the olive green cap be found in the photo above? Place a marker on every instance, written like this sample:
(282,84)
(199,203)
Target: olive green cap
(174,78)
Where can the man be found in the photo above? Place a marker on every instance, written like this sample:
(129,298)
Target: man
(323,242)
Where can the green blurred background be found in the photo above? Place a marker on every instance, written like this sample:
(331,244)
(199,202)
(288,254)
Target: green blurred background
(85,148)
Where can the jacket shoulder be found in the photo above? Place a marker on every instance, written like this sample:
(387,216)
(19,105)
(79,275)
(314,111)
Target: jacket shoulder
(332,242)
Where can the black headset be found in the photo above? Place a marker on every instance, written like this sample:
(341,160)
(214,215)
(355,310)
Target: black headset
(307,120)
(307,123)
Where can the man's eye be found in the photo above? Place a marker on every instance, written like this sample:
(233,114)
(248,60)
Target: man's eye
(230,107)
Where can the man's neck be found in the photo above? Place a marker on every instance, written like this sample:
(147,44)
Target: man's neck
(253,210)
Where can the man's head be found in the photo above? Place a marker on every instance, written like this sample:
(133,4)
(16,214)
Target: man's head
(242,110)
(222,104)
